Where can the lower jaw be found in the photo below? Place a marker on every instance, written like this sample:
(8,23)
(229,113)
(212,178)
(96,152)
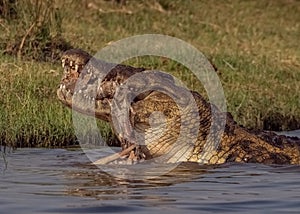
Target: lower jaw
(83,105)
(65,97)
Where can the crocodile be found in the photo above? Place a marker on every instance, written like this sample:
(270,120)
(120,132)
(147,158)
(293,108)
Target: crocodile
(159,118)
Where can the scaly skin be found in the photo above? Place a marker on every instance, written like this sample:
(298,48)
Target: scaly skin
(86,88)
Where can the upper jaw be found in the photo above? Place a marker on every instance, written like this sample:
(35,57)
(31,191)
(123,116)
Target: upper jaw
(74,82)
(88,80)
(75,58)
(80,89)
(90,84)
(70,65)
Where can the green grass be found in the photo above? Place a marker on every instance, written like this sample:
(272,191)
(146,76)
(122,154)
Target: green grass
(30,114)
(254,44)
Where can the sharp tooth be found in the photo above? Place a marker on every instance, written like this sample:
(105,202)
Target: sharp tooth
(71,63)
(63,62)
(76,68)
(60,86)
(80,91)
(75,92)
(64,87)
(100,90)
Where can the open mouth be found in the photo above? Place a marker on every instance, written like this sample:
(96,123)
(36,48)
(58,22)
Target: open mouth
(68,82)
(89,84)
(81,90)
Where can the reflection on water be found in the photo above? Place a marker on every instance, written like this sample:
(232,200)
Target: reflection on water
(101,185)
(64,181)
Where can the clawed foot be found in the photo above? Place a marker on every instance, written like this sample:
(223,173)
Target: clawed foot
(131,155)
(135,156)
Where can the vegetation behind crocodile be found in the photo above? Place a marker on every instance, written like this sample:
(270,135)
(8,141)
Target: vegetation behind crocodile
(86,88)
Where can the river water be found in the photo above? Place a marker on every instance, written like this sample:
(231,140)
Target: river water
(64,181)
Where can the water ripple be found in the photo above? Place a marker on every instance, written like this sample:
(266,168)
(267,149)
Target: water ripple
(63,181)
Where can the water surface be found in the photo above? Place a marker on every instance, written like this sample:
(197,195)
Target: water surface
(64,181)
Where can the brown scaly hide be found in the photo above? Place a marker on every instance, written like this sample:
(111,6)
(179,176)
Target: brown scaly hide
(95,96)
